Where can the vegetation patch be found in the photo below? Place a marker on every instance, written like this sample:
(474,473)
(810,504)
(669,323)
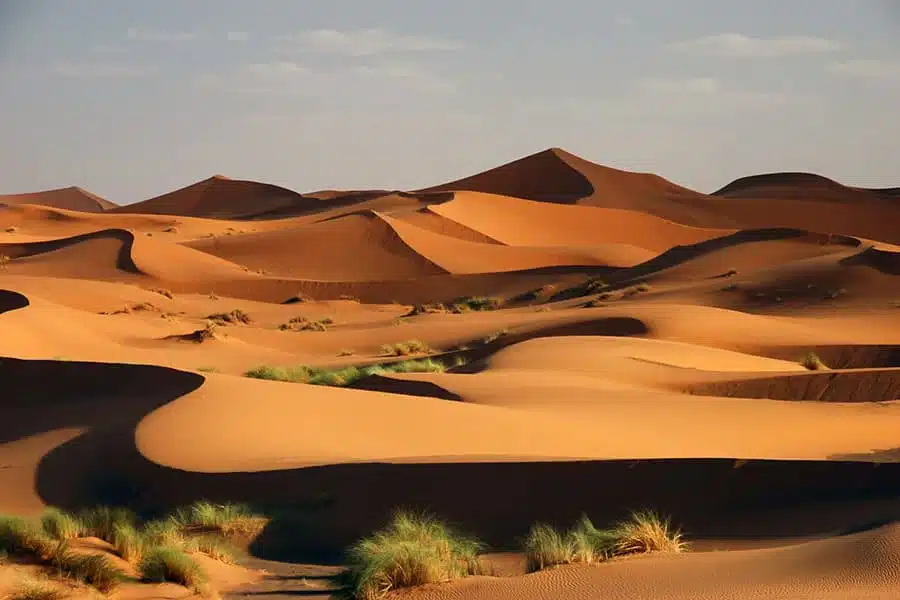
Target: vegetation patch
(405,348)
(812,362)
(411,550)
(169,563)
(304,324)
(346,375)
(234,317)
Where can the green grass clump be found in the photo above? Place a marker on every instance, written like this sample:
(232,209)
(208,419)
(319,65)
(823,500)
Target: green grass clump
(169,563)
(304,324)
(215,547)
(405,348)
(345,375)
(812,362)
(412,550)
(163,532)
(101,522)
(646,531)
(93,569)
(36,588)
(60,525)
(227,519)
(21,537)
(475,303)
(546,547)
(128,542)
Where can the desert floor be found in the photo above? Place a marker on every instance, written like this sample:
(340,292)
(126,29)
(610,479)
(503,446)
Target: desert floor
(612,341)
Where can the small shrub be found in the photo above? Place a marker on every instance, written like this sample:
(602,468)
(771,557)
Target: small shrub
(169,563)
(60,525)
(4,260)
(475,303)
(343,376)
(299,298)
(128,542)
(93,569)
(304,324)
(36,588)
(546,547)
(644,532)
(235,317)
(346,352)
(215,547)
(11,229)
(228,519)
(101,522)
(812,362)
(412,550)
(20,537)
(405,348)
(163,532)
(162,292)
(207,369)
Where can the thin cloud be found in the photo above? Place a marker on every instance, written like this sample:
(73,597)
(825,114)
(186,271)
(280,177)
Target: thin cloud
(140,35)
(737,45)
(709,88)
(369,42)
(868,68)
(238,36)
(291,78)
(102,71)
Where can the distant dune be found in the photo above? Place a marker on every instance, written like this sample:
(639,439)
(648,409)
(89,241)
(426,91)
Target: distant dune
(71,198)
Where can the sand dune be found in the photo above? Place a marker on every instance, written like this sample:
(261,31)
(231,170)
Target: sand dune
(218,197)
(610,341)
(71,198)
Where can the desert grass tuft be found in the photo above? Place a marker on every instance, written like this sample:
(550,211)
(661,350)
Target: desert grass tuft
(215,547)
(60,525)
(36,588)
(163,532)
(346,375)
(405,348)
(93,569)
(812,362)
(304,324)
(227,519)
(234,317)
(411,550)
(101,522)
(546,547)
(21,537)
(169,563)
(128,542)
(646,531)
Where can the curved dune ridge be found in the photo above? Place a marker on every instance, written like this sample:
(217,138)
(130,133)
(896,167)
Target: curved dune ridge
(218,197)
(542,339)
(71,198)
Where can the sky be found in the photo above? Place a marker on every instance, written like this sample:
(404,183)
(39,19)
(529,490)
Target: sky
(134,99)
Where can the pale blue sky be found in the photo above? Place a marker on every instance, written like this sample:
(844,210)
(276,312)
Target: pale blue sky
(132,99)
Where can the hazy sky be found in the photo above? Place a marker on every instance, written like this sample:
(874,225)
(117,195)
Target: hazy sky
(132,99)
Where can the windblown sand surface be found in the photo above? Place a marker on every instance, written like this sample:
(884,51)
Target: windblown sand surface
(642,346)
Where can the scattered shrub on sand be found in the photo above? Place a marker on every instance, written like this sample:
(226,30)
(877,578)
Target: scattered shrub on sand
(93,569)
(547,547)
(169,563)
(643,532)
(4,260)
(346,352)
(207,369)
(198,336)
(170,229)
(812,362)
(21,537)
(536,294)
(60,525)
(475,303)
(346,375)
(163,532)
(227,519)
(495,336)
(235,317)
(412,550)
(10,229)
(405,348)
(128,542)
(162,292)
(36,588)
(427,309)
(304,324)
(215,547)
(646,531)
(101,522)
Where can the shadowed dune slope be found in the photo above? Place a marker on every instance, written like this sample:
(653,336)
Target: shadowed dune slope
(221,198)
(803,186)
(355,247)
(862,565)
(116,255)
(71,198)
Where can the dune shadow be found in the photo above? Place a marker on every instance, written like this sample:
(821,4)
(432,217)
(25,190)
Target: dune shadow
(876,385)
(10,301)
(124,260)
